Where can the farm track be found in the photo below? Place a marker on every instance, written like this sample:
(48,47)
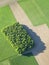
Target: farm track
(6,2)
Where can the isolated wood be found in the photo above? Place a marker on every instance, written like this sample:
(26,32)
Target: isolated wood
(42,31)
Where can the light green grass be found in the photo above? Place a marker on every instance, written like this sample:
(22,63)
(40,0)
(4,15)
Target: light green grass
(44,6)
(20,60)
(6,18)
(36,10)
(23,60)
(6,49)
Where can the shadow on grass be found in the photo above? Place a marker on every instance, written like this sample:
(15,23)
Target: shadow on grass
(39,45)
(28,54)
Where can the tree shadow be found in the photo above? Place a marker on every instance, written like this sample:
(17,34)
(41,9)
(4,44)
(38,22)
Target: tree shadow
(28,54)
(39,46)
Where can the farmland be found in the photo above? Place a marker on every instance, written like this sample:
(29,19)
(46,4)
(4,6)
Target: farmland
(5,19)
(36,11)
(19,60)
(8,55)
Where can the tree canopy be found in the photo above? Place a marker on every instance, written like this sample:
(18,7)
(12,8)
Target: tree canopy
(19,37)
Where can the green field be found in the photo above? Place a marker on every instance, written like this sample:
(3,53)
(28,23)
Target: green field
(8,56)
(36,10)
(20,60)
(6,18)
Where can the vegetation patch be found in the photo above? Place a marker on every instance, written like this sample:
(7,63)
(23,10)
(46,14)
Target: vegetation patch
(19,37)
(36,11)
(6,19)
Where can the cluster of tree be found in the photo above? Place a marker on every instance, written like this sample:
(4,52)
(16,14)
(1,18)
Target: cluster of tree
(19,37)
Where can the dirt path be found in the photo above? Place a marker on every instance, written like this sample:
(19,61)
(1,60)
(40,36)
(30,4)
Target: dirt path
(6,2)
(40,34)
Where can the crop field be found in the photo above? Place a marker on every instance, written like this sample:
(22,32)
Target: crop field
(5,19)
(19,60)
(36,10)
(8,56)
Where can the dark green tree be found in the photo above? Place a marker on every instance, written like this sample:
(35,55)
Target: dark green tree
(19,37)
